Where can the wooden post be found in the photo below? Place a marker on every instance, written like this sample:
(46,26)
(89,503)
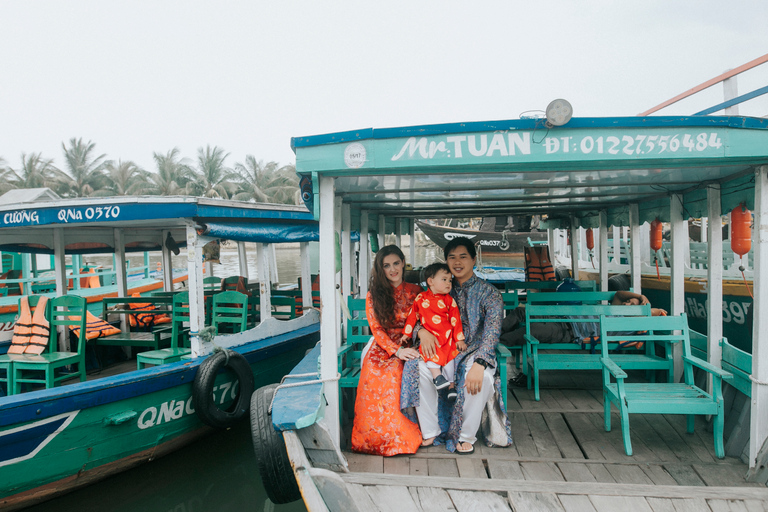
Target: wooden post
(382,230)
(306,277)
(346,264)
(265,286)
(329,322)
(398,232)
(242,260)
(61,278)
(636,247)
(759,414)
(195,283)
(574,249)
(364,261)
(603,248)
(121,278)
(677,279)
(714,281)
(167,262)
(412,241)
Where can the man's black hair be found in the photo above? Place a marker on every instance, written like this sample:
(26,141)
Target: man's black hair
(460,241)
(432,270)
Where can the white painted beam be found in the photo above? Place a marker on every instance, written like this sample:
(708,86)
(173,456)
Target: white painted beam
(121,276)
(364,259)
(714,281)
(574,249)
(242,260)
(195,282)
(759,413)
(412,242)
(265,284)
(602,246)
(167,263)
(677,278)
(636,248)
(306,277)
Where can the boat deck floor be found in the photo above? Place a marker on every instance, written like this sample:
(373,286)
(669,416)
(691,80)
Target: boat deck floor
(562,459)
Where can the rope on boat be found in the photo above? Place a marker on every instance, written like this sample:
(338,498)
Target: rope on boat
(297,384)
(758,382)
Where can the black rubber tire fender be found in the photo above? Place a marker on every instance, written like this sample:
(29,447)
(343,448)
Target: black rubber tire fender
(269,448)
(205,380)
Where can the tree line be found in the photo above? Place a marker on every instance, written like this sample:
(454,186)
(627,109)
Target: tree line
(87,174)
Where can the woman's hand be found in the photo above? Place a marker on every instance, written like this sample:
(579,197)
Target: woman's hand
(428,342)
(406,354)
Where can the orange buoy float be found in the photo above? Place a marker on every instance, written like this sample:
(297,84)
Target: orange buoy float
(741,236)
(656,243)
(591,245)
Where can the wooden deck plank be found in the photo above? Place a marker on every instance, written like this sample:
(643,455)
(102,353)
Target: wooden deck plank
(365,463)
(576,503)
(558,487)
(756,505)
(643,431)
(419,467)
(684,474)
(547,471)
(534,501)
(673,440)
(557,397)
(700,442)
(566,444)
(392,498)
(471,468)
(658,474)
(601,474)
(575,472)
(582,400)
(521,435)
(625,474)
(432,499)
(542,436)
(640,452)
(690,505)
(595,443)
(397,465)
(442,467)
(723,475)
(614,503)
(469,501)
(661,504)
(505,469)
(362,499)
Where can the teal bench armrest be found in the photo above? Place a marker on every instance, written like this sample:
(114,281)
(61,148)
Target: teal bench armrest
(529,338)
(613,368)
(708,367)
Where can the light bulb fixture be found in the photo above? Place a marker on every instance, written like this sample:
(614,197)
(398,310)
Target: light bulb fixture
(559,112)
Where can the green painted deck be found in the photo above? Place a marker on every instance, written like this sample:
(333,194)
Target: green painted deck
(562,459)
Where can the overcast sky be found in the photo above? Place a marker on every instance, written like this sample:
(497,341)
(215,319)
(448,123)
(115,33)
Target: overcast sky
(137,77)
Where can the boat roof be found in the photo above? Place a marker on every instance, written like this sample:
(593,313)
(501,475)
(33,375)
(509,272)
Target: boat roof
(89,223)
(522,167)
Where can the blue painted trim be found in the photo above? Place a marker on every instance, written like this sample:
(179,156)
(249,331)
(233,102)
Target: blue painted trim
(227,212)
(21,408)
(265,232)
(300,406)
(735,101)
(24,442)
(530,124)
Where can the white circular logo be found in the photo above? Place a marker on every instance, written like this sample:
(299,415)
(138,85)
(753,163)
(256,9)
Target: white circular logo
(354,155)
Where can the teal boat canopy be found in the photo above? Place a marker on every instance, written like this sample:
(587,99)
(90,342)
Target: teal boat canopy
(519,167)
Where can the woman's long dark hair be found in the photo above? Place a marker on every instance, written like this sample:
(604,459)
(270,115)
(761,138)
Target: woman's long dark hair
(382,294)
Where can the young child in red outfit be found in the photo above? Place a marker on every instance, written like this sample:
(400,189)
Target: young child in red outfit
(439,314)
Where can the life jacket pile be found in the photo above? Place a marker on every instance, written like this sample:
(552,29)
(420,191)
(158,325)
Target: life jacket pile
(146,320)
(32,331)
(95,327)
(538,266)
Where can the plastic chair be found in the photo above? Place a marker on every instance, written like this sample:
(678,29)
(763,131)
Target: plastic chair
(69,311)
(230,308)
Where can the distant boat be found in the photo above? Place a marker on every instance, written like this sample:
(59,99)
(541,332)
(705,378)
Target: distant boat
(491,240)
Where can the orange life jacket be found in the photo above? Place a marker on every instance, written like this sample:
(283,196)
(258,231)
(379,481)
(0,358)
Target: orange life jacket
(538,266)
(146,319)
(31,333)
(90,281)
(95,327)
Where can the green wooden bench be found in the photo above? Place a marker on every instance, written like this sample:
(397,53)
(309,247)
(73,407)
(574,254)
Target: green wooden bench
(659,398)
(153,338)
(350,352)
(739,364)
(179,336)
(540,356)
(586,285)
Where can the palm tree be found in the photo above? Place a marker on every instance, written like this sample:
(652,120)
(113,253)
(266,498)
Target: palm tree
(211,179)
(85,169)
(172,175)
(125,178)
(35,172)
(265,183)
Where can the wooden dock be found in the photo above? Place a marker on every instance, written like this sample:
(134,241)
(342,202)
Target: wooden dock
(562,459)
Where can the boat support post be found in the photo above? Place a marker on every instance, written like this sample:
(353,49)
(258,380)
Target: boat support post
(635,248)
(364,252)
(121,276)
(329,319)
(306,277)
(242,260)
(346,264)
(759,413)
(195,280)
(714,280)
(574,248)
(265,286)
(677,279)
(167,263)
(603,248)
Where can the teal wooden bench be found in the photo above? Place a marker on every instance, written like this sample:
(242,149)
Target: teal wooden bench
(153,338)
(659,398)
(549,356)
(738,363)
(350,352)
(586,285)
